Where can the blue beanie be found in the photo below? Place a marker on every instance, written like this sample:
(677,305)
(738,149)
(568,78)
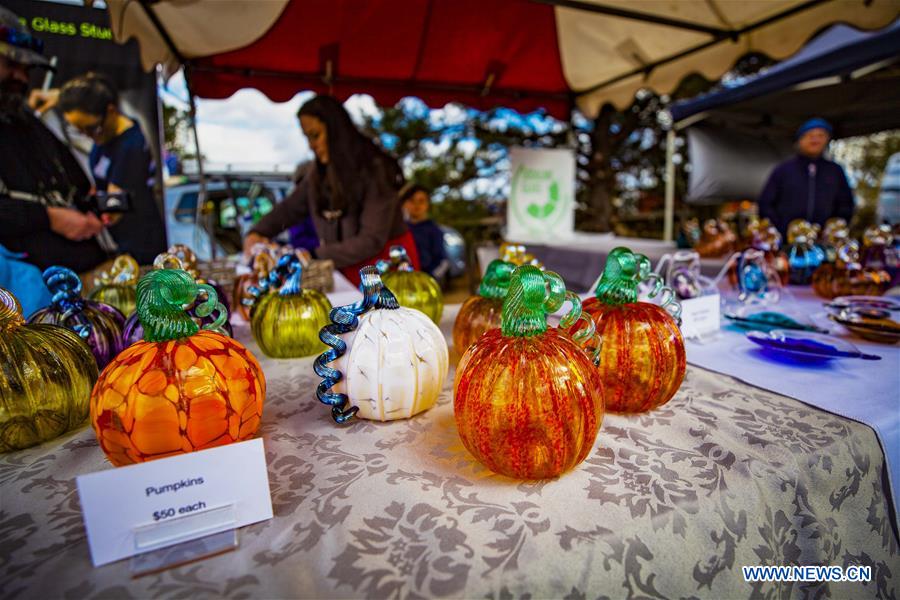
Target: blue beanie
(815,123)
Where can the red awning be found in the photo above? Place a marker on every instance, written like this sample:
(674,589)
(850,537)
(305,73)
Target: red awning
(438,51)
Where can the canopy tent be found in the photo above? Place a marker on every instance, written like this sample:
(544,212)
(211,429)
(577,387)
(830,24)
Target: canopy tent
(848,76)
(523,54)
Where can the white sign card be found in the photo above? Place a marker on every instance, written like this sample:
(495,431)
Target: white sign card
(541,203)
(117,502)
(700,316)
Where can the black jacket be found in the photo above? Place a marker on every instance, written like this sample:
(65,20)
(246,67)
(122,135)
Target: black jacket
(34,161)
(803,188)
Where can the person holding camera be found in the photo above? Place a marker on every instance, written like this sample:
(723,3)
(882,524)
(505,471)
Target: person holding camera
(40,180)
(121,164)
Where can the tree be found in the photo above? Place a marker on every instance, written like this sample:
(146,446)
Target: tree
(865,159)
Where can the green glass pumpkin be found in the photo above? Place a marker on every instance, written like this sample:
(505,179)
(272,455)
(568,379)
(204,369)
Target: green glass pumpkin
(413,289)
(117,286)
(286,319)
(45,387)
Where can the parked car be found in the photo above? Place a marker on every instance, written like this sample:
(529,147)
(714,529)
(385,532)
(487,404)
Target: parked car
(234,203)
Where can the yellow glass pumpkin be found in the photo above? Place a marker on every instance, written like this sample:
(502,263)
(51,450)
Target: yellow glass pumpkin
(48,372)
(116,286)
(413,289)
(286,319)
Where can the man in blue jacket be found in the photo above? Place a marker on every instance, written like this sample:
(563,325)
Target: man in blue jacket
(807,186)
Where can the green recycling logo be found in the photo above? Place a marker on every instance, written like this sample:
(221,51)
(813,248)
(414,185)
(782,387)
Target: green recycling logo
(538,204)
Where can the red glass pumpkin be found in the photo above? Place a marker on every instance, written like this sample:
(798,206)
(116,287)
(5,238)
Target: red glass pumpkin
(642,358)
(528,401)
(482,312)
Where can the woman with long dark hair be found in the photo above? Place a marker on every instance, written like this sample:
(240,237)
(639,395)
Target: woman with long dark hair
(350,191)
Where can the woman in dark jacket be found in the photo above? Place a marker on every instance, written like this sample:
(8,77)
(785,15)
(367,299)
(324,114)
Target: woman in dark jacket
(350,191)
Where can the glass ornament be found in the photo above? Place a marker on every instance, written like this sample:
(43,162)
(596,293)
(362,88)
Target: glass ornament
(765,238)
(134,331)
(518,255)
(804,256)
(482,312)
(847,277)
(880,251)
(642,358)
(182,388)
(286,319)
(835,233)
(384,361)
(716,239)
(413,289)
(116,286)
(681,272)
(528,399)
(99,325)
(48,372)
(262,262)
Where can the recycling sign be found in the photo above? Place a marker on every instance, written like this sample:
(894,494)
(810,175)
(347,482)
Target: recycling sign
(541,204)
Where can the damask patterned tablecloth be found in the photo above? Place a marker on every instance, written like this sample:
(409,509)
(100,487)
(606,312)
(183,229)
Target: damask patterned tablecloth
(669,504)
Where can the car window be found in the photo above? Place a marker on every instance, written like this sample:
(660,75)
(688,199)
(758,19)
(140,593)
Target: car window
(186,210)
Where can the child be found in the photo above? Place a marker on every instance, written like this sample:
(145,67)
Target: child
(429,237)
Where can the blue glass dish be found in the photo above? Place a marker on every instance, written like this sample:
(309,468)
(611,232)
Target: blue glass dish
(806,346)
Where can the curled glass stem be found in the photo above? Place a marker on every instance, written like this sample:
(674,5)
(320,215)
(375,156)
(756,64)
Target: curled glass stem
(10,311)
(345,319)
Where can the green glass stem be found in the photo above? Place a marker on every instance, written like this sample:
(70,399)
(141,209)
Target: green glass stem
(162,300)
(496,280)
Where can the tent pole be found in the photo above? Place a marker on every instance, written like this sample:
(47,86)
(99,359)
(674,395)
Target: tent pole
(669,218)
(201,192)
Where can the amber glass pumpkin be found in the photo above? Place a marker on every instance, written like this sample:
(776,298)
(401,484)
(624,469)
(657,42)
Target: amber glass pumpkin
(528,400)
(116,285)
(847,277)
(47,374)
(99,325)
(286,319)
(181,389)
(642,360)
(481,313)
(413,289)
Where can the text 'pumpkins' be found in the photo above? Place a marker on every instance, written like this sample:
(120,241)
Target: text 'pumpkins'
(181,389)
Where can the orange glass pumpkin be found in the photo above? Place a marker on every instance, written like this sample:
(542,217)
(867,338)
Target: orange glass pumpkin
(642,358)
(528,400)
(482,312)
(847,277)
(180,389)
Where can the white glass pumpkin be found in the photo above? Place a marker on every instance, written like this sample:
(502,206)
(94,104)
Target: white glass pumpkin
(395,364)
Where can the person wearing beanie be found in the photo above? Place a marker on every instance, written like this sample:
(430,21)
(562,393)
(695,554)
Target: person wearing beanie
(807,186)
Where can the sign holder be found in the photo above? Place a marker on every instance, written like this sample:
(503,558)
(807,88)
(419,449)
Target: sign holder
(173,542)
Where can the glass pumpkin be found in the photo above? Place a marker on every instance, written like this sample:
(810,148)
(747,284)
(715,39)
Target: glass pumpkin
(413,289)
(481,313)
(804,256)
(116,286)
(48,372)
(385,361)
(835,233)
(99,325)
(517,255)
(716,239)
(528,400)
(262,263)
(286,319)
(133,331)
(642,358)
(182,388)
(847,277)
